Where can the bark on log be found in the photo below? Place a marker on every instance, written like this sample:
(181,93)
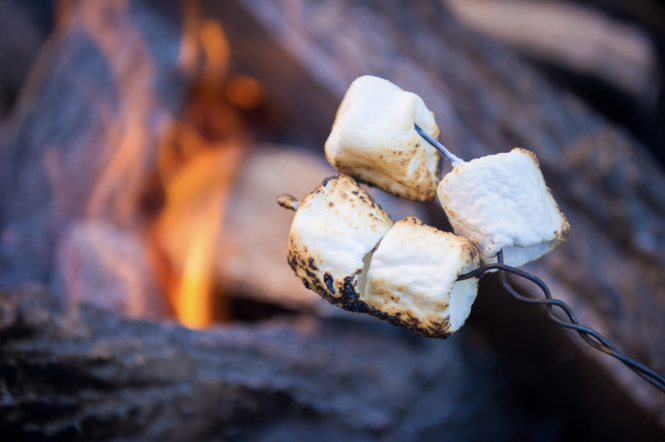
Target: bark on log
(486,101)
(87,374)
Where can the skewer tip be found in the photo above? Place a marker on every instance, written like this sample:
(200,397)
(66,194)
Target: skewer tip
(455,161)
(288,202)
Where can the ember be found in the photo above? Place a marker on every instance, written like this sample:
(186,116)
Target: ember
(144,289)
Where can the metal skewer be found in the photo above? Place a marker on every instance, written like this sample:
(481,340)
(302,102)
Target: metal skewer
(440,147)
(592,337)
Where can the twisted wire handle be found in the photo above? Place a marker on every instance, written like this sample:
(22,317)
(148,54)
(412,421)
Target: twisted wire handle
(592,337)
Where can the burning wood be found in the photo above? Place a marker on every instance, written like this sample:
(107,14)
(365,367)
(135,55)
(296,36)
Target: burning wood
(198,163)
(80,148)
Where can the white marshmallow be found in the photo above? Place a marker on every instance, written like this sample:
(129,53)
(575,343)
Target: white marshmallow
(411,281)
(374,140)
(501,202)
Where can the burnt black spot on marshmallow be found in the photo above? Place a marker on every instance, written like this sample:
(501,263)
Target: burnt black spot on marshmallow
(348,289)
(328,279)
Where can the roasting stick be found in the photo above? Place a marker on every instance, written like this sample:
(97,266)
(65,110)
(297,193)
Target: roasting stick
(440,147)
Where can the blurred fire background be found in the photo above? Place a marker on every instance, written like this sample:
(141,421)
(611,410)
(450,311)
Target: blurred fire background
(143,143)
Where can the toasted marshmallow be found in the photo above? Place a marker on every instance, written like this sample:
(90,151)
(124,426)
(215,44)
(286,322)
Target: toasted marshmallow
(374,140)
(412,280)
(501,202)
(335,227)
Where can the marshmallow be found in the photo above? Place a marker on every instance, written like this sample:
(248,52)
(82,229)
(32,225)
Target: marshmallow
(412,279)
(501,202)
(374,140)
(333,232)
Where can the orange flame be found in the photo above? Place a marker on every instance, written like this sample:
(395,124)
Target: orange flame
(193,302)
(196,162)
(217,51)
(245,92)
(189,226)
(197,166)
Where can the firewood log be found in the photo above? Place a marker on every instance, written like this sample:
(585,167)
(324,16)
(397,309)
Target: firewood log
(89,374)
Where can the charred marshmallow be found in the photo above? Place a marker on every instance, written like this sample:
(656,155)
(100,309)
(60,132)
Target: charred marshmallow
(374,140)
(335,228)
(501,202)
(412,280)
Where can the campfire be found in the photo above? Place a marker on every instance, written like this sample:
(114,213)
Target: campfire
(144,286)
